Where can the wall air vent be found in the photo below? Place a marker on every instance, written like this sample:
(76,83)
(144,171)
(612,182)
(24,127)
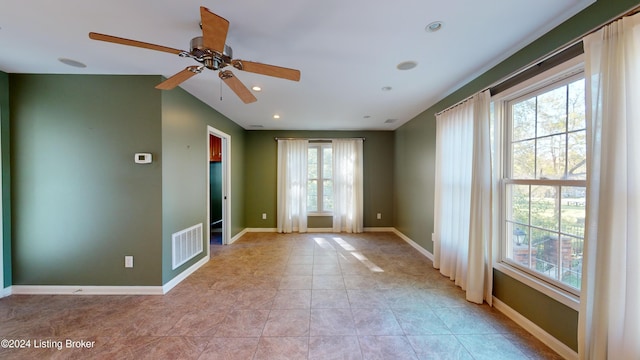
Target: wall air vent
(186,244)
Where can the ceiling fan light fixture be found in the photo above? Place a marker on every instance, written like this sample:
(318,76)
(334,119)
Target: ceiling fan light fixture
(434,26)
(407,65)
(72,62)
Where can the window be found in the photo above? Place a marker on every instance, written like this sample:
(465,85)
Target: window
(320,183)
(544,179)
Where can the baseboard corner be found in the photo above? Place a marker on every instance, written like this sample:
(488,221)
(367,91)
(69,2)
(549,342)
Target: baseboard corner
(548,339)
(414,244)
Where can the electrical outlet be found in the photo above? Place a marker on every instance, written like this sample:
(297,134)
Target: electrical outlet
(264,216)
(128,261)
(379,216)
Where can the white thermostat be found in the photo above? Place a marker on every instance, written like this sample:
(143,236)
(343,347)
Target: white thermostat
(143,158)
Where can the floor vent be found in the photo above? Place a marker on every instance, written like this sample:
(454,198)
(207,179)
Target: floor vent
(186,244)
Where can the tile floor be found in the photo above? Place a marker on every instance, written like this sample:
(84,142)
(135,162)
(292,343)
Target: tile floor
(274,296)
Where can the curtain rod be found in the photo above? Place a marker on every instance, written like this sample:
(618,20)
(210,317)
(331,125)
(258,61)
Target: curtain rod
(571,45)
(455,105)
(316,139)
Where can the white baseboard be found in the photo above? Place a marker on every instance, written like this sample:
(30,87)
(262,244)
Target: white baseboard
(252,230)
(238,236)
(84,290)
(555,344)
(313,230)
(415,245)
(272,230)
(183,275)
(102,290)
(380,229)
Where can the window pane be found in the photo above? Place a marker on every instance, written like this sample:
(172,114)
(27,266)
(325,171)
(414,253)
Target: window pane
(519,210)
(520,251)
(523,159)
(550,157)
(576,105)
(577,156)
(544,210)
(327,163)
(552,112)
(312,163)
(327,195)
(312,195)
(571,273)
(573,210)
(524,120)
(545,248)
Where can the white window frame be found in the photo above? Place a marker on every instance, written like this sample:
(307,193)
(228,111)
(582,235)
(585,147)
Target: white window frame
(562,294)
(320,146)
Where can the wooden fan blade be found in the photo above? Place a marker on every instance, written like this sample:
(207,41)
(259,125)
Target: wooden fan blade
(178,78)
(214,30)
(264,69)
(237,86)
(123,41)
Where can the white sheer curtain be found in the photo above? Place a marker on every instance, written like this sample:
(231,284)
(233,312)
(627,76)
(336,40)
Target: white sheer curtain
(462,211)
(347,185)
(609,320)
(292,185)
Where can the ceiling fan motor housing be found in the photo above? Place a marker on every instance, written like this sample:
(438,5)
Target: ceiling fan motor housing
(210,59)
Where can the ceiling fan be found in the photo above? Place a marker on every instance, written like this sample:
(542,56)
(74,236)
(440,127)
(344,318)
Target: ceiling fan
(212,53)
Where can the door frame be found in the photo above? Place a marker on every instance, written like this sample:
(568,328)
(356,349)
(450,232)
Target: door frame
(226,186)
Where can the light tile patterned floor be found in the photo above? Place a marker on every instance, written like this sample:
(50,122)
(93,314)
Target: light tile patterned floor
(274,296)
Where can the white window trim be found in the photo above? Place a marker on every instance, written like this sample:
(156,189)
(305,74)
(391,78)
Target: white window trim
(564,70)
(320,146)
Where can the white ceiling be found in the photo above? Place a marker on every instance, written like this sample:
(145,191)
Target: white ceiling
(347,51)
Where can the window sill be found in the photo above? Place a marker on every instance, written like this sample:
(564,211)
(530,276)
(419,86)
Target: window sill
(559,295)
(319,214)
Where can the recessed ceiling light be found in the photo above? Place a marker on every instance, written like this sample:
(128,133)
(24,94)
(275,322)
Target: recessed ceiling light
(276,116)
(434,26)
(366,116)
(390,121)
(256,88)
(256,126)
(386,88)
(71,62)
(407,65)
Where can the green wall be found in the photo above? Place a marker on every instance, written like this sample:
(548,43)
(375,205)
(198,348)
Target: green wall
(185,165)
(261,162)
(415,166)
(6,177)
(80,204)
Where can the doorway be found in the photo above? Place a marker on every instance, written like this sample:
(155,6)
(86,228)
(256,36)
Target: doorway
(218,199)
